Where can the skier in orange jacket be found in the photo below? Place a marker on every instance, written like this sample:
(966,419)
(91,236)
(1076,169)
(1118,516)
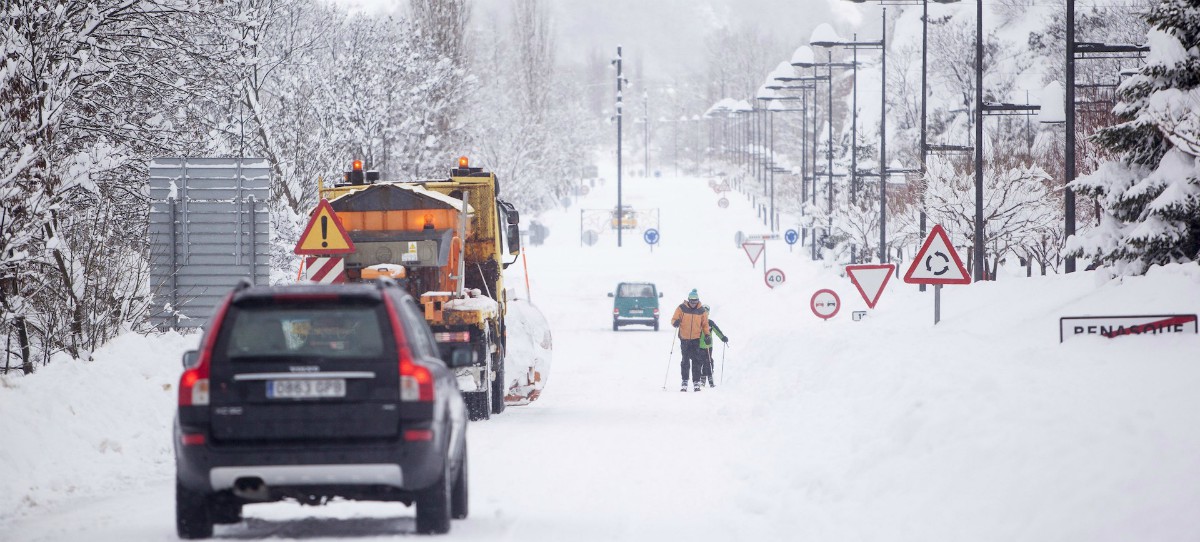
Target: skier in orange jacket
(692,322)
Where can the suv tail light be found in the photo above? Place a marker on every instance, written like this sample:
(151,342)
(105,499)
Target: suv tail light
(416,382)
(193,383)
(616,312)
(656,312)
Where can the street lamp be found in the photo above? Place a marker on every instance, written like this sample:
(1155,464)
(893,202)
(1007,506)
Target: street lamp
(1078,51)
(784,74)
(803,58)
(767,93)
(620,80)
(924,88)
(828,39)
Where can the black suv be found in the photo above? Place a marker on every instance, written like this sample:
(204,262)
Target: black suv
(311,392)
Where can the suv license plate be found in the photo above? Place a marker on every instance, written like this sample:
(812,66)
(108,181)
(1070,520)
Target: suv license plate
(306,389)
(635,311)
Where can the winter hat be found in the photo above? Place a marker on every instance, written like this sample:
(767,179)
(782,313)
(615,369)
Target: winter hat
(693,296)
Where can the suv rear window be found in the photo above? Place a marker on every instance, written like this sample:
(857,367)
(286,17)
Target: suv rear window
(272,331)
(636,290)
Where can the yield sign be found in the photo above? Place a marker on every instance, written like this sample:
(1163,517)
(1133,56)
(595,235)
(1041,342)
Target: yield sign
(754,250)
(324,234)
(937,262)
(870,280)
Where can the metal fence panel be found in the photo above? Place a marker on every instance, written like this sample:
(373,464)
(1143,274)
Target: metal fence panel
(208,229)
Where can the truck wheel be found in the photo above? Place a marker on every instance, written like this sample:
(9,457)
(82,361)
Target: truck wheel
(498,389)
(433,504)
(192,519)
(479,406)
(458,494)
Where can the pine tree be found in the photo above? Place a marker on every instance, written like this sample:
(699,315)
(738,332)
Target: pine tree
(1151,191)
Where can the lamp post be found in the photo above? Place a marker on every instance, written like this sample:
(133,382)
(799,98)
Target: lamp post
(783,74)
(803,58)
(646,127)
(924,91)
(1078,51)
(767,93)
(620,80)
(829,39)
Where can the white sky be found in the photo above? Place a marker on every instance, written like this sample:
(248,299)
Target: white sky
(666,32)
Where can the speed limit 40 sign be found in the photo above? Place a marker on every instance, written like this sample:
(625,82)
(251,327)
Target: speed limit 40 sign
(774,277)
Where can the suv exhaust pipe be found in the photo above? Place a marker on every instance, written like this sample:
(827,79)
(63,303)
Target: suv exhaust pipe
(251,488)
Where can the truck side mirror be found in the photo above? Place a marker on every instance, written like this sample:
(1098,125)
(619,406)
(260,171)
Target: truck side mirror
(190,359)
(514,217)
(514,239)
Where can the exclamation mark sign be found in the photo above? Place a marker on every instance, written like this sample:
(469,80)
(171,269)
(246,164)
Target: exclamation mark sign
(324,231)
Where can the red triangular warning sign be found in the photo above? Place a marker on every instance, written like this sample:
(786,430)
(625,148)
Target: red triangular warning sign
(754,250)
(324,234)
(937,262)
(870,280)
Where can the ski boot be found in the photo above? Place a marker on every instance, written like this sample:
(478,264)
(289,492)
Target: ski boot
(683,387)
(697,387)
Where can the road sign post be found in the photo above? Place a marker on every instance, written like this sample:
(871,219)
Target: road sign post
(870,279)
(754,250)
(774,277)
(791,237)
(651,237)
(825,304)
(937,263)
(324,234)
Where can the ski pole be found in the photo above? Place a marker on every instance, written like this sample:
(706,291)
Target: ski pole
(723,347)
(669,356)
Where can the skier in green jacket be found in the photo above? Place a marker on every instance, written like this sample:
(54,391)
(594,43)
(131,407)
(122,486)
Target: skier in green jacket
(706,346)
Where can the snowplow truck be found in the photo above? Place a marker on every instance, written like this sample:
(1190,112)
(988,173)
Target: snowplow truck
(446,241)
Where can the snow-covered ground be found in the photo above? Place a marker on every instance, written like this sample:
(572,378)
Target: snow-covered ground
(983,427)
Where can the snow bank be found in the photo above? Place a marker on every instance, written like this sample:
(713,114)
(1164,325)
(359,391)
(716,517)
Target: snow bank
(80,428)
(530,351)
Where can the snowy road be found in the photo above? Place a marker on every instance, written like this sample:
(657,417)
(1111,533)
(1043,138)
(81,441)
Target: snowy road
(983,428)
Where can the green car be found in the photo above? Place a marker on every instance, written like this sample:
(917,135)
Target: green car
(635,303)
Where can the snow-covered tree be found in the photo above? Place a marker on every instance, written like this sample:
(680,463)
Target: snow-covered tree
(1017,208)
(1151,193)
(529,122)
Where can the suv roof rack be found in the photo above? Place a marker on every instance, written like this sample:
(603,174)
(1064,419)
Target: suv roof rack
(385,282)
(242,284)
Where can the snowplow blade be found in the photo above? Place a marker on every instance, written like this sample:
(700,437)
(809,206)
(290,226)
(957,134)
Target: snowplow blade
(529,353)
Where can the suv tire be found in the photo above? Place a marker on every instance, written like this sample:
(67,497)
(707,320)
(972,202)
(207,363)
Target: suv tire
(656,325)
(458,494)
(615,324)
(192,517)
(224,509)
(433,505)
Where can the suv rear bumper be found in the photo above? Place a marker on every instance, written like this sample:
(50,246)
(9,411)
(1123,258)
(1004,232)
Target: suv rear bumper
(396,464)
